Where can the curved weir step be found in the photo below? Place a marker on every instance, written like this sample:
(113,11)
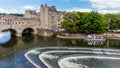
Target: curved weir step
(65,57)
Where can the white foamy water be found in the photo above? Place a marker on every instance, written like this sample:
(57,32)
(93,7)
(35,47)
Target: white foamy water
(55,57)
(67,61)
(30,60)
(67,64)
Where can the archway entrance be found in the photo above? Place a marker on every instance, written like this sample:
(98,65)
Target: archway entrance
(12,31)
(27,31)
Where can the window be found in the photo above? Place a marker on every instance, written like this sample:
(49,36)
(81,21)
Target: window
(52,17)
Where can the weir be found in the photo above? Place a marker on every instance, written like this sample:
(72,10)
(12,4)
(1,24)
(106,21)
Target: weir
(65,57)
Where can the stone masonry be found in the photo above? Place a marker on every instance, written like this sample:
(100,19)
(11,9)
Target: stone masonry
(44,23)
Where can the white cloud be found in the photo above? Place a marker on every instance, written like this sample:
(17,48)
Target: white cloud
(79,9)
(102,11)
(9,11)
(22,9)
(3,10)
(103,4)
(19,10)
(109,11)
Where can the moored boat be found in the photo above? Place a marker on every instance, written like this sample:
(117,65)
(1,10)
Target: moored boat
(95,38)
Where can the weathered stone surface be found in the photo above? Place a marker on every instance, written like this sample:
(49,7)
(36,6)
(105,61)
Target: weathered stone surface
(47,19)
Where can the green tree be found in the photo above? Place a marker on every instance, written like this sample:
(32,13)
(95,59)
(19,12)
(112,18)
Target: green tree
(107,20)
(94,23)
(70,22)
(82,25)
(113,21)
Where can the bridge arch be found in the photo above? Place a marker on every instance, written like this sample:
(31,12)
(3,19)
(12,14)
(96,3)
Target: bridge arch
(13,31)
(28,31)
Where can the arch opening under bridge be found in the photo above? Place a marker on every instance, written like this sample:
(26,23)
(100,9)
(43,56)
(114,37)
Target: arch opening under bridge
(28,31)
(12,31)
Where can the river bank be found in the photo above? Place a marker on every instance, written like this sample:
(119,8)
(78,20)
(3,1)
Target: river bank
(115,36)
(71,36)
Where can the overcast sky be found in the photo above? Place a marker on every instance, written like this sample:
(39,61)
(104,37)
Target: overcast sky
(102,6)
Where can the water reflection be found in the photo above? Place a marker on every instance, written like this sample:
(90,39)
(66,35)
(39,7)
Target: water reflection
(12,42)
(5,37)
(21,44)
(95,42)
(18,45)
(28,38)
(113,43)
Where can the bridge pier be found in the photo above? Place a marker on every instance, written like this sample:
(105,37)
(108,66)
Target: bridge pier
(45,33)
(35,32)
(19,34)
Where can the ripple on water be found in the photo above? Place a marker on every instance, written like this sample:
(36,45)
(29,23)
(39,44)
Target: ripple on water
(64,57)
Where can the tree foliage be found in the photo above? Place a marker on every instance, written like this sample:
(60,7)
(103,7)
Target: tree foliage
(113,21)
(82,25)
(70,22)
(92,22)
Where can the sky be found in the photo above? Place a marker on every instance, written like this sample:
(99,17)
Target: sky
(101,6)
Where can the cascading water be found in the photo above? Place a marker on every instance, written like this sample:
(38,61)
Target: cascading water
(65,57)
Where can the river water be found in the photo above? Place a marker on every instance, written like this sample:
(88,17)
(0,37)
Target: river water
(12,52)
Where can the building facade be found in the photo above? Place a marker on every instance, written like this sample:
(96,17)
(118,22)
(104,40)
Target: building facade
(44,23)
(50,19)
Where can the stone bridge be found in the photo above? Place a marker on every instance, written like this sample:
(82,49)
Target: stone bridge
(18,25)
(43,23)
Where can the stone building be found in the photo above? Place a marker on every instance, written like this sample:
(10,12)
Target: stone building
(50,19)
(43,23)
(31,14)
